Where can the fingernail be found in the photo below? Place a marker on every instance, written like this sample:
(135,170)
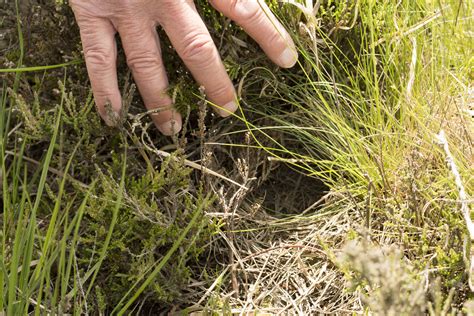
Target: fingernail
(228,109)
(111,115)
(170,128)
(288,58)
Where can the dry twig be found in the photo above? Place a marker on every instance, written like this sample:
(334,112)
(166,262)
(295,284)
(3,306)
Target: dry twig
(463,196)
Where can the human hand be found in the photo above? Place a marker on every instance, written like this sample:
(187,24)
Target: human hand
(136,21)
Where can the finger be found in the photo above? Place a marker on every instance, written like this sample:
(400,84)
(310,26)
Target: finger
(141,44)
(258,21)
(100,52)
(194,44)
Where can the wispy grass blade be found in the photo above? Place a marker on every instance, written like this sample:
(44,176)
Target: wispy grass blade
(41,68)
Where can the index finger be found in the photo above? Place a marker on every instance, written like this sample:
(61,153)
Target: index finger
(100,52)
(256,18)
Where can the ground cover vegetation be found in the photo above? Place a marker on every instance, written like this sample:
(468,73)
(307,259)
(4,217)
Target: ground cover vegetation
(341,186)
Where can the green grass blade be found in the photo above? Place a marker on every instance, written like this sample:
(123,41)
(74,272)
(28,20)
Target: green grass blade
(40,68)
(52,228)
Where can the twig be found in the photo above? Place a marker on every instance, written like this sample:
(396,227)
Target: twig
(304,247)
(212,287)
(411,80)
(196,166)
(463,197)
(187,162)
(289,160)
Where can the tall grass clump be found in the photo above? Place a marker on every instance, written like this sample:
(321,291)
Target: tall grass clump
(362,113)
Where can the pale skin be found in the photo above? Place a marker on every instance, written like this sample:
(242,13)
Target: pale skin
(136,22)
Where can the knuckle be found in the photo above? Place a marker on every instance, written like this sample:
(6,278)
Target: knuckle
(252,16)
(245,12)
(83,10)
(98,57)
(198,47)
(101,93)
(144,63)
(130,5)
(233,5)
(222,90)
(274,39)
